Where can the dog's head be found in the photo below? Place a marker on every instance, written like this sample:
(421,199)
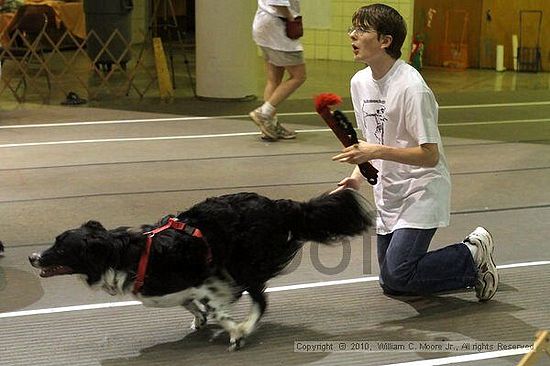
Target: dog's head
(87,250)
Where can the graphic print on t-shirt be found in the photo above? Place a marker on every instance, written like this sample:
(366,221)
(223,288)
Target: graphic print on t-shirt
(374,116)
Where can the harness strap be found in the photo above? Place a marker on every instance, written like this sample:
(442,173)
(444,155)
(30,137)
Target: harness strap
(144,259)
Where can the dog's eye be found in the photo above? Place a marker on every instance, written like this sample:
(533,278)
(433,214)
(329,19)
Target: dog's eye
(61,252)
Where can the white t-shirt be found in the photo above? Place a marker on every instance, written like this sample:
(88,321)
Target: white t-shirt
(268,30)
(400,110)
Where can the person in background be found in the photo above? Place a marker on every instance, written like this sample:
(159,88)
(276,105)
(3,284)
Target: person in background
(398,114)
(281,54)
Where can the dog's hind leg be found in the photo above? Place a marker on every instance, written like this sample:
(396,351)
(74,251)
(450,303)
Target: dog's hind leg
(259,305)
(200,315)
(218,298)
(239,331)
(221,314)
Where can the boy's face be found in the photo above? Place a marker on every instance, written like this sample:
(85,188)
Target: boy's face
(368,46)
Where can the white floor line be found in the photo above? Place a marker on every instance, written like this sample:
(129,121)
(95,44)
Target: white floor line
(66,309)
(505,122)
(493,105)
(524,264)
(130,139)
(322,284)
(302,286)
(198,118)
(238,134)
(114,122)
(462,358)
(432,362)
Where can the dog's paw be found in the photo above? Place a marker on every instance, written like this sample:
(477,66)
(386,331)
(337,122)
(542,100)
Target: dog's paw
(237,337)
(198,322)
(235,344)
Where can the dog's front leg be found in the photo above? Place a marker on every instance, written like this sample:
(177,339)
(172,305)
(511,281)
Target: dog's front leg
(200,315)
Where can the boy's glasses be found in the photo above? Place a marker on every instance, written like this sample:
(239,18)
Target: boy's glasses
(359,31)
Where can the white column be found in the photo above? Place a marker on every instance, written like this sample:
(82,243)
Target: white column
(226,65)
(515,51)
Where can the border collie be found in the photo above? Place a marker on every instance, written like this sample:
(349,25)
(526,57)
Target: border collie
(222,247)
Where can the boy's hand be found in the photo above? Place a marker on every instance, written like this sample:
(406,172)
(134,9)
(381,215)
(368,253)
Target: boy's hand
(358,153)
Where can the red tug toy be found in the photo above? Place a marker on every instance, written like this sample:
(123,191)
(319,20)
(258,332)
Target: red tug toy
(343,129)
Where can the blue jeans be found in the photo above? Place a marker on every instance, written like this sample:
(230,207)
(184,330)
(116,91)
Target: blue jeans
(407,268)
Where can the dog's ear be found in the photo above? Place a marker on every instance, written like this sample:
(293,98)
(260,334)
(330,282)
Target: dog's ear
(97,246)
(100,255)
(94,226)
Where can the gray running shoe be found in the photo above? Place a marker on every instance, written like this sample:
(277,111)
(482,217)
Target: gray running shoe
(487,275)
(266,124)
(283,132)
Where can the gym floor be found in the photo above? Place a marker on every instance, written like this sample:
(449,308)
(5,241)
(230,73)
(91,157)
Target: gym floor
(131,162)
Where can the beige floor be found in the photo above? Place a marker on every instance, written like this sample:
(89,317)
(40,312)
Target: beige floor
(60,167)
(323,76)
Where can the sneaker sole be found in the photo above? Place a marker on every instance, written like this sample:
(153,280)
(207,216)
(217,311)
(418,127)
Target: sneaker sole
(491,278)
(264,137)
(491,242)
(262,127)
(267,138)
(491,245)
(490,283)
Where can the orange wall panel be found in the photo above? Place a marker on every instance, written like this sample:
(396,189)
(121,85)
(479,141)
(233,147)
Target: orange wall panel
(444,25)
(505,23)
(490,23)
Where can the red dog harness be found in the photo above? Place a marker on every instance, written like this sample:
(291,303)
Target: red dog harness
(172,223)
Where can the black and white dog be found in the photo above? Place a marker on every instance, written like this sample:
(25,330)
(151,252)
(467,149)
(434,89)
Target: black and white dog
(207,256)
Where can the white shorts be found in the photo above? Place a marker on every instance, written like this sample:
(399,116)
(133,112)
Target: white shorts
(283,58)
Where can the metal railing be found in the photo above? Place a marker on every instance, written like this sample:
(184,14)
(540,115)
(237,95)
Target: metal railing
(55,65)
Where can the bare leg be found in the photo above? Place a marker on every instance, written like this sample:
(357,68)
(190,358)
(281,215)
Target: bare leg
(276,91)
(297,76)
(274,78)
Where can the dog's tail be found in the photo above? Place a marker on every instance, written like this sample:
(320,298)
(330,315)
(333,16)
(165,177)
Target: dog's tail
(329,217)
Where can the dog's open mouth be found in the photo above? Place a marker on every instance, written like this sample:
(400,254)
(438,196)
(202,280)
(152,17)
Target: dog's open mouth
(55,271)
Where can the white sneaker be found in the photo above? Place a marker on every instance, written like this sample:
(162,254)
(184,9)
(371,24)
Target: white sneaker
(487,274)
(265,123)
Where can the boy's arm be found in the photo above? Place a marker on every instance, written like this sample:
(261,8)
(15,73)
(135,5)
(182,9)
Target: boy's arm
(425,155)
(354,181)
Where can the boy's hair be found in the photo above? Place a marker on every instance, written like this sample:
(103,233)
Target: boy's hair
(385,20)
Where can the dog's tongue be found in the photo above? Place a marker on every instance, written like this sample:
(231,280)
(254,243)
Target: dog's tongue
(55,271)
